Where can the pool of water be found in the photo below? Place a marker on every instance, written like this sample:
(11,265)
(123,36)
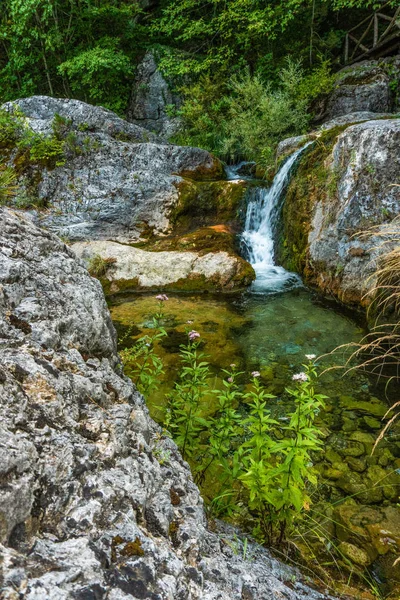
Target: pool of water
(272,334)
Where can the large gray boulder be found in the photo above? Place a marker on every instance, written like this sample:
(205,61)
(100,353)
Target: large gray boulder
(117,181)
(95,502)
(365,86)
(345,221)
(151,99)
(41,110)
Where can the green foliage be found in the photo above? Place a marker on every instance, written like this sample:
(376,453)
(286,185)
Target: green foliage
(8,187)
(93,72)
(8,129)
(260,116)
(141,361)
(45,150)
(63,48)
(263,468)
(89,49)
(246,118)
(184,403)
(144,367)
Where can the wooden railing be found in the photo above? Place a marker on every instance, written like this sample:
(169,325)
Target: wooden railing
(377,33)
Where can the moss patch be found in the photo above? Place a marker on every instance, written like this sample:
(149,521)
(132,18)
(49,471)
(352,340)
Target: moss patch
(313,181)
(215,238)
(203,203)
(203,172)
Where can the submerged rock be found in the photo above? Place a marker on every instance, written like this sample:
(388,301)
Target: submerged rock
(95,502)
(133,269)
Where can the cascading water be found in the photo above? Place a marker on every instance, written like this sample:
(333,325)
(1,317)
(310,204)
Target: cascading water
(258,236)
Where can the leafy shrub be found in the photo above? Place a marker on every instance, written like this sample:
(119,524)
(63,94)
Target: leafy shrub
(95,71)
(246,118)
(264,468)
(8,129)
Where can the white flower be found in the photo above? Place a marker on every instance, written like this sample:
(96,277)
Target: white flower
(300,377)
(311,356)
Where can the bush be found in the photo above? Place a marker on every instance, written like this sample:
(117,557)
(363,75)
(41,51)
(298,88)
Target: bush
(246,118)
(98,266)
(8,129)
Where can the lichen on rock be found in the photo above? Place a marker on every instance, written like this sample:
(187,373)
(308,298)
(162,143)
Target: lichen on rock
(86,509)
(343,187)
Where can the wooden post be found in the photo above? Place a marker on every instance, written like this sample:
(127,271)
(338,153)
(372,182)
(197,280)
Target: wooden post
(376,29)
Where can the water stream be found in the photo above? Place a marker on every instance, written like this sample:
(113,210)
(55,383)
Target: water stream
(258,237)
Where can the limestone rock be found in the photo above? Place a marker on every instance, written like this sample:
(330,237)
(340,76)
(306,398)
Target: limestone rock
(290,145)
(338,199)
(135,269)
(41,110)
(85,474)
(356,555)
(151,98)
(367,159)
(118,179)
(363,86)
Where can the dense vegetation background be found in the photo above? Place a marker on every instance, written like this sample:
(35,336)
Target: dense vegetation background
(228,58)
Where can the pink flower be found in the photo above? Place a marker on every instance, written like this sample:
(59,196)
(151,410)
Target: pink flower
(230,379)
(256,374)
(193,335)
(300,377)
(162,297)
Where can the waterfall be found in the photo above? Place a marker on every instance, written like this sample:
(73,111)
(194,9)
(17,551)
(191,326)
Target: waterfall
(261,223)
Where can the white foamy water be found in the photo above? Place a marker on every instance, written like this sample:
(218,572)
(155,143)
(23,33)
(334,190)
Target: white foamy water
(258,237)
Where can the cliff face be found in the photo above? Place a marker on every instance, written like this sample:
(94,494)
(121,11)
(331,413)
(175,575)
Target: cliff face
(340,202)
(95,502)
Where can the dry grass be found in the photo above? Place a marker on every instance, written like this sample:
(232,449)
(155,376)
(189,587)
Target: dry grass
(8,187)
(378,352)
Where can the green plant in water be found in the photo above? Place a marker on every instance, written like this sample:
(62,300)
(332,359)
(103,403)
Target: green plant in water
(183,416)
(263,468)
(142,364)
(223,428)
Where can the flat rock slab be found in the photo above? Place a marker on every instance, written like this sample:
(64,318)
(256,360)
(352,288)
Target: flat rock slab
(133,269)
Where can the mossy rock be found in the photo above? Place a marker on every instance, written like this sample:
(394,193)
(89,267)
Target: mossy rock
(215,238)
(312,181)
(375,407)
(202,203)
(357,556)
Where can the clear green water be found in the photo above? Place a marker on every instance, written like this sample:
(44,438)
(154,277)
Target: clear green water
(273,334)
(264,332)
